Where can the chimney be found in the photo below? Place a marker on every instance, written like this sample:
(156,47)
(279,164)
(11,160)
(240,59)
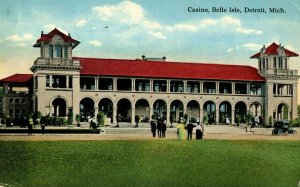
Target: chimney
(69,35)
(42,34)
(143,57)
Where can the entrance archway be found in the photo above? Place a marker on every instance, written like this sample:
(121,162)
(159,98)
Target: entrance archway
(106,106)
(124,110)
(240,112)
(159,108)
(87,110)
(176,111)
(282,112)
(193,111)
(60,107)
(209,110)
(142,109)
(224,112)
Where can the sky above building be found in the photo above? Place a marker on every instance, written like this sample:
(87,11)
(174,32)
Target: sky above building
(184,31)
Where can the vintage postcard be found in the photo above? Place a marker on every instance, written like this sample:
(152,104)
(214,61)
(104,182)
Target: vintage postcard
(178,93)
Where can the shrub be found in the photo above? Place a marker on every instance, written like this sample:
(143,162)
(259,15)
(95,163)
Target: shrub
(295,122)
(101,118)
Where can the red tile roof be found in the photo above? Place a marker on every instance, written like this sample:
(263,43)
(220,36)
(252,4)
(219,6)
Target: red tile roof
(162,69)
(17,78)
(272,50)
(48,37)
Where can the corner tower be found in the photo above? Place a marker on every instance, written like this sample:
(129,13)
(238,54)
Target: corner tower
(55,74)
(281,82)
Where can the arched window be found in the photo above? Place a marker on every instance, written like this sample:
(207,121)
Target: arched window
(57,51)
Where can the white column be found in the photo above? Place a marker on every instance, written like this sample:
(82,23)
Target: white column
(96,83)
(50,82)
(217,87)
(115,82)
(248,88)
(67,81)
(151,86)
(232,116)
(133,116)
(184,86)
(132,84)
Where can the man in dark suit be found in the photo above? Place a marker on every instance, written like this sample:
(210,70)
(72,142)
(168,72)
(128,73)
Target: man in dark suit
(189,127)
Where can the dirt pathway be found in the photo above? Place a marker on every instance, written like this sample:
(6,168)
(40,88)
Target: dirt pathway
(67,137)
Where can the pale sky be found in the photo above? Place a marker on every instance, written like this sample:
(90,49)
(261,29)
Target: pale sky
(153,28)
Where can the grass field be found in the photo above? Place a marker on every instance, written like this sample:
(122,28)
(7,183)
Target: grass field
(150,163)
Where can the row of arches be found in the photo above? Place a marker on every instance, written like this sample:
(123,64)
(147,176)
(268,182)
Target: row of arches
(214,112)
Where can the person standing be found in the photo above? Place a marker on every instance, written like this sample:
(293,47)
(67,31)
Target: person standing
(159,127)
(164,128)
(30,125)
(199,132)
(153,128)
(189,128)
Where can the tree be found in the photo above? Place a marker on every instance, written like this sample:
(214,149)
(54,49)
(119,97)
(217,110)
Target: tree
(137,120)
(185,117)
(205,120)
(101,118)
(77,119)
(270,121)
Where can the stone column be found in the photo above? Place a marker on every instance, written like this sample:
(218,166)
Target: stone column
(201,115)
(75,96)
(232,116)
(201,87)
(185,86)
(133,116)
(115,113)
(96,110)
(217,116)
(115,82)
(96,83)
(151,85)
(50,81)
(248,88)
(132,84)
(67,81)
(168,114)
(217,87)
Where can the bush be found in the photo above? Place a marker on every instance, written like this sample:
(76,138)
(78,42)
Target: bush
(55,121)
(101,118)
(295,122)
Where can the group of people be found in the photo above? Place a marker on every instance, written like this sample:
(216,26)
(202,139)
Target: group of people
(32,123)
(160,126)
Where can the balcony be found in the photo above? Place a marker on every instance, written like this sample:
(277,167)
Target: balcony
(284,72)
(56,61)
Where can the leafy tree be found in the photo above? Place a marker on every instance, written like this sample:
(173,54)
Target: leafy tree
(270,121)
(137,120)
(77,118)
(205,120)
(101,118)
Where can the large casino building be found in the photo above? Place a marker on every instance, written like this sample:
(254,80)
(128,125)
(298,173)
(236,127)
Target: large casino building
(147,87)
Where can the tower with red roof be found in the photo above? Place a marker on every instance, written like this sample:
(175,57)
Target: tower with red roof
(54,72)
(281,81)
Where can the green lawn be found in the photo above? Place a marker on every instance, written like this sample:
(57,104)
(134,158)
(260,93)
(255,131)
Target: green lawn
(150,163)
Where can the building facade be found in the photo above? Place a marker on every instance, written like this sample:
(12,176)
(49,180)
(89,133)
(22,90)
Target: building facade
(122,89)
